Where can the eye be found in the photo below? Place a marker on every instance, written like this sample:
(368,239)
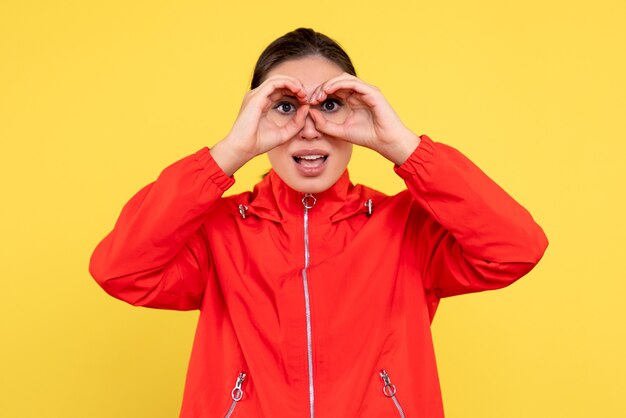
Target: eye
(285,107)
(330,105)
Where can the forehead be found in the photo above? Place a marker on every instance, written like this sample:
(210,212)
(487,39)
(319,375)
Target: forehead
(311,71)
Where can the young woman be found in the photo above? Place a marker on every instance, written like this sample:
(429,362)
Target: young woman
(315,295)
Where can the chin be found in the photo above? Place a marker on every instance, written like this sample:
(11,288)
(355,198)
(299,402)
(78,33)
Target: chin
(313,185)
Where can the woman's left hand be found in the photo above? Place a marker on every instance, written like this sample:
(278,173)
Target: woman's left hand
(371,121)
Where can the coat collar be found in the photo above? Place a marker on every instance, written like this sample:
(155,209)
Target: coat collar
(274,200)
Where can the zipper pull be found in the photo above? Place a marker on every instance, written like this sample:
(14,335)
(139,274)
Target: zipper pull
(237,392)
(370,207)
(242,211)
(389,389)
(309,201)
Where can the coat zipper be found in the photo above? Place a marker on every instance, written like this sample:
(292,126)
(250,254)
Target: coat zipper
(389,390)
(236,394)
(308,201)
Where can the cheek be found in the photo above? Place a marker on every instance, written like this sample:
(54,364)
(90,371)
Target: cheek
(347,152)
(344,153)
(271,155)
(278,156)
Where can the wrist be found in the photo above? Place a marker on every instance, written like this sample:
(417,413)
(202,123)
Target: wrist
(402,148)
(228,157)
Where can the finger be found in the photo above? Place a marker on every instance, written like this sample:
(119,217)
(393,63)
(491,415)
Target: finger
(313,96)
(299,118)
(319,96)
(280,87)
(370,95)
(281,92)
(348,95)
(297,122)
(279,77)
(285,93)
(274,83)
(345,77)
(329,128)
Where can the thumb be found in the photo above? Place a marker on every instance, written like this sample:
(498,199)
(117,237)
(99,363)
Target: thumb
(327,127)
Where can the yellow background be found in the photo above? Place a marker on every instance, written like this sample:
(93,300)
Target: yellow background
(96,97)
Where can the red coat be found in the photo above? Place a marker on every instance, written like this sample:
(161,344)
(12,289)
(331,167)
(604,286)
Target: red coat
(324,311)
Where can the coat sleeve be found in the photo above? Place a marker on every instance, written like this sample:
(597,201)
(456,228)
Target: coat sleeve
(157,255)
(473,235)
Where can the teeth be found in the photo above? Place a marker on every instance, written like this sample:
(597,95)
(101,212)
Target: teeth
(310,157)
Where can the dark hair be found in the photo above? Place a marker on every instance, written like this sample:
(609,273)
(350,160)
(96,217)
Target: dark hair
(299,43)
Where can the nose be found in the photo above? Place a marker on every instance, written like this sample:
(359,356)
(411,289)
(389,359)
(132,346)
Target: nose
(309,131)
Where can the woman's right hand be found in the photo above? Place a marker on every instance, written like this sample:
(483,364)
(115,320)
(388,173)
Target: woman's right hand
(254,133)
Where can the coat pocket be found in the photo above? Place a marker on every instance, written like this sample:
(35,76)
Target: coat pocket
(236,394)
(389,390)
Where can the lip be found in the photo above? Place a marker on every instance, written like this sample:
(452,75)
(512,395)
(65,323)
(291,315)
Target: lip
(309,151)
(310,171)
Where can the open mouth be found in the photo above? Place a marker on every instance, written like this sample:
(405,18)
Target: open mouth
(310,163)
(313,160)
